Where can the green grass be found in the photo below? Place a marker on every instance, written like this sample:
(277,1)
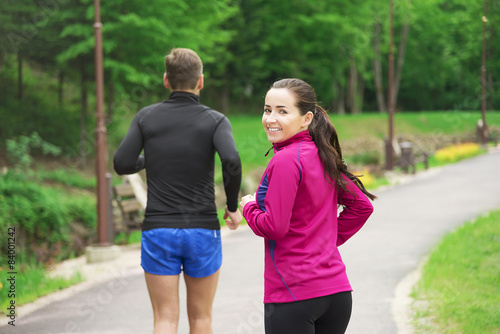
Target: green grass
(460,283)
(31,283)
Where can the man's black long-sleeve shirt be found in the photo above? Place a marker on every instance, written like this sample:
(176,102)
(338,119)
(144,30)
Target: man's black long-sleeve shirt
(180,137)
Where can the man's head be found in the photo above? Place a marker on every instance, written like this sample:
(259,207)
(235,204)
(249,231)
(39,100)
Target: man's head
(183,70)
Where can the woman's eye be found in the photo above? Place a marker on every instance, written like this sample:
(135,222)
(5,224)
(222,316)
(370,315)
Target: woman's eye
(267,111)
(283,112)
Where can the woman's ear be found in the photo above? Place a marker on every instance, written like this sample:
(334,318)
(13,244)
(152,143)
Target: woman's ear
(308,119)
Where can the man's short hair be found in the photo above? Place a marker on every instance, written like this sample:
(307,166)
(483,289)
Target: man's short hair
(183,68)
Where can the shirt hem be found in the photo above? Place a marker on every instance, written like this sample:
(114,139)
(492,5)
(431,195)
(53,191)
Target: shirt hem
(311,295)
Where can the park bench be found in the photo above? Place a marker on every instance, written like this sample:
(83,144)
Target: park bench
(405,157)
(130,197)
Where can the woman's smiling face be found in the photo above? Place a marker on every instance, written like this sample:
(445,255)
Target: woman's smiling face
(282,119)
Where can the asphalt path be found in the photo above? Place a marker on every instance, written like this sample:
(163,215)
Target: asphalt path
(408,220)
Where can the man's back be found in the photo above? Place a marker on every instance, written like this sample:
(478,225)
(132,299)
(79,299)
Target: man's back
(179,137)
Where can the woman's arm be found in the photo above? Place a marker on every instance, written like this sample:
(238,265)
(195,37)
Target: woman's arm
(270,215)
(357,209)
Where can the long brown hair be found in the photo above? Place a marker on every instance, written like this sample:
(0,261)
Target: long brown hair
(323,134)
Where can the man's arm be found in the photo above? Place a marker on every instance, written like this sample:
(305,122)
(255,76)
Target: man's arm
(231,165)
(127,159)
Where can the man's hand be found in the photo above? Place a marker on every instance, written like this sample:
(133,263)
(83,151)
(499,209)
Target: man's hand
(233,219)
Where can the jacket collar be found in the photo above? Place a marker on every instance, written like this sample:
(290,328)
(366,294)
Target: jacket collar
(180,96)
(301,136)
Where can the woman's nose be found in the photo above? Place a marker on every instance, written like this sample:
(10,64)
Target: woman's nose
(270,118)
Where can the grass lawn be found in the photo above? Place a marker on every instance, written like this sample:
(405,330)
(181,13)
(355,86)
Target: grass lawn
(31,283)
(459,291)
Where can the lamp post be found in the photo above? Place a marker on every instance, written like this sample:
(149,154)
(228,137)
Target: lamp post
(100,132)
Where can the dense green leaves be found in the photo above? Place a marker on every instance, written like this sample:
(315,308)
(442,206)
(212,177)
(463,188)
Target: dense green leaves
(339,46)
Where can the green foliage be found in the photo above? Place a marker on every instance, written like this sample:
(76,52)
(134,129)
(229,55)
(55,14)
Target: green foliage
(42,217)
(38,111)
(366,158)
(67,177)
(245,46)
(20,149)
(461,281)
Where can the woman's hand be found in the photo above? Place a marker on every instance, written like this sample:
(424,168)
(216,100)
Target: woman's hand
(246,199)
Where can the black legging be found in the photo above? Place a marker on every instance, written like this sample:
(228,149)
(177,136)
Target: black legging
(323,315)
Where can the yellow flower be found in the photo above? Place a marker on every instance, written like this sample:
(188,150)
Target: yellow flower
(456,152)
(365,177)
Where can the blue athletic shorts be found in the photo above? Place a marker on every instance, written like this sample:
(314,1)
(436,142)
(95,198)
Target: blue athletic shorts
(167,251)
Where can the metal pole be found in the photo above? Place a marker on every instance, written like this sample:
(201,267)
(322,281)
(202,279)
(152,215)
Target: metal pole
(102,202)
(390,90)
(110,226)
(484,130)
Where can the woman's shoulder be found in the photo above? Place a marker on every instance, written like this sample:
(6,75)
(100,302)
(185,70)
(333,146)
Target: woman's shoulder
(287,156)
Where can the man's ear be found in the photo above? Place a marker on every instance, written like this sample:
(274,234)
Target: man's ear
(165,81)
(201,82)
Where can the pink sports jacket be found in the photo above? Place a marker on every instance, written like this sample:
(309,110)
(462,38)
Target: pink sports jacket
(296,213)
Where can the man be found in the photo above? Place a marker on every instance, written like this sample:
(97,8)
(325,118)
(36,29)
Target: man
(181,231)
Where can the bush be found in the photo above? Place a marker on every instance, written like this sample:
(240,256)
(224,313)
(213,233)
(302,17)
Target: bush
(366,158)
(67,177)
(42,217)
(20,149)
(457,152)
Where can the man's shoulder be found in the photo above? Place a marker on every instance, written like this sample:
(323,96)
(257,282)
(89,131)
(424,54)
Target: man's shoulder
(216,115)
(213,112)
(146,109)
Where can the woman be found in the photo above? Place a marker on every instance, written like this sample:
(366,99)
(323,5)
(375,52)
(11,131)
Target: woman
(295,211)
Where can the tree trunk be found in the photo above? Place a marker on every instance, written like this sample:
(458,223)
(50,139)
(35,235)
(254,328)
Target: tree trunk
(377,71)
(60,89)
(489,82)
(20,91)
(400,62)
(360,93)
(83,117)
(352,88)
(339,99)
